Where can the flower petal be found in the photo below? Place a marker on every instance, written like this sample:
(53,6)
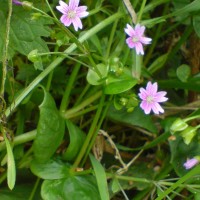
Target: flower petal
(160,96)
(73,4)
(146,107)
(65,20)
(81,11)
(129,30)
(152,88)
(130,43)
(139,48)
(139,30)
(63,10)
(77,23)
(143,94)
(157,108)
(145,40)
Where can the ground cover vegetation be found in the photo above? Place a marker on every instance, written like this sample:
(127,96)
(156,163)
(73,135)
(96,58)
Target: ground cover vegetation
(99,99)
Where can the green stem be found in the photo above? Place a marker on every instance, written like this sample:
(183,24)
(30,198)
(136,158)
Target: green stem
(141,11)
(91,132)
(183,179)
(113,31)
(103,115)
(131,11)
(58,60)
(69,87)
(82,105)
(34,189)
(5,50)
(79,99)
(23,138)
(51,10)
(191,118)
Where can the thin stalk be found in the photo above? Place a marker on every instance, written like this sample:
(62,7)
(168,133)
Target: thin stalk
(82,94)
(82,105)
(23,138)
(131,11)
(69,87)
(58,60)
(91,132)
(141,11)
(51,10)
(5,51)
(111,39)
(34,189)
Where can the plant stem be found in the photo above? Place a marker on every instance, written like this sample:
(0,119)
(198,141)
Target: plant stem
(5,50)
(91,132)
(82,105)
(69,87)
(141,11)
(58,60)
(131,11)
(34,189)
(23,138)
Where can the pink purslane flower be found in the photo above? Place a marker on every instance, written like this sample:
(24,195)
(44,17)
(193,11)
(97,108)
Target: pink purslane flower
(190,163)
(16,2)
(72,13)
(151,98)
(137,38)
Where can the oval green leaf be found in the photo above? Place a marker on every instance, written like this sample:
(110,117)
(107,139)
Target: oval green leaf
(52,169)
(50,130)
(183,72)
(73,187)
(77,138)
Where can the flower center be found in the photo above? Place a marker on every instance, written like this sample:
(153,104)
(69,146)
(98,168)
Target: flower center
(135,39)
(149,99)
(71,14)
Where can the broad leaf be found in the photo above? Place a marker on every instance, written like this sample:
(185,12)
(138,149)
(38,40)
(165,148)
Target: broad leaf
(77,138)
(25,34)
(53,169)
(50,130)
(73,187)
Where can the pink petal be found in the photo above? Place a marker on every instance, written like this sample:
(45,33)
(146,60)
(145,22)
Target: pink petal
(81,14)
(152,88)
(157,108)
(160,96)
(139,48)
(145,40)
(77,23)
(146,107)
(73,3)
(143,94)
(65,20)
(63,5)
(129,30)
(130,43)
(139,30)
(63,10)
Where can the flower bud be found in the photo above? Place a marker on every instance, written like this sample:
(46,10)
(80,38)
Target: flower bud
(178,125)
(188,134)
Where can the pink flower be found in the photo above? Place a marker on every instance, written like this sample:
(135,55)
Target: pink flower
(72,13)
(190,163)
(151,98)
(16,2)
(137,39)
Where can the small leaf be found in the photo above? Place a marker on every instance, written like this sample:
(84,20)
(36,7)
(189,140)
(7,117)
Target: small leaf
(71,188)
(50,130)
(101,178)
(11,170)
(52,169)
(77,138)
(93,77)
(183,72)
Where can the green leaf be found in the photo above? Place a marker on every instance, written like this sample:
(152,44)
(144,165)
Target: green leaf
(135,118)
(101,178)
(93,77)
(183,72)
(11,170)
(73,187)
(52,169)
(25,34)
(118,83)
(77,138)
(158,63)
(50,130)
